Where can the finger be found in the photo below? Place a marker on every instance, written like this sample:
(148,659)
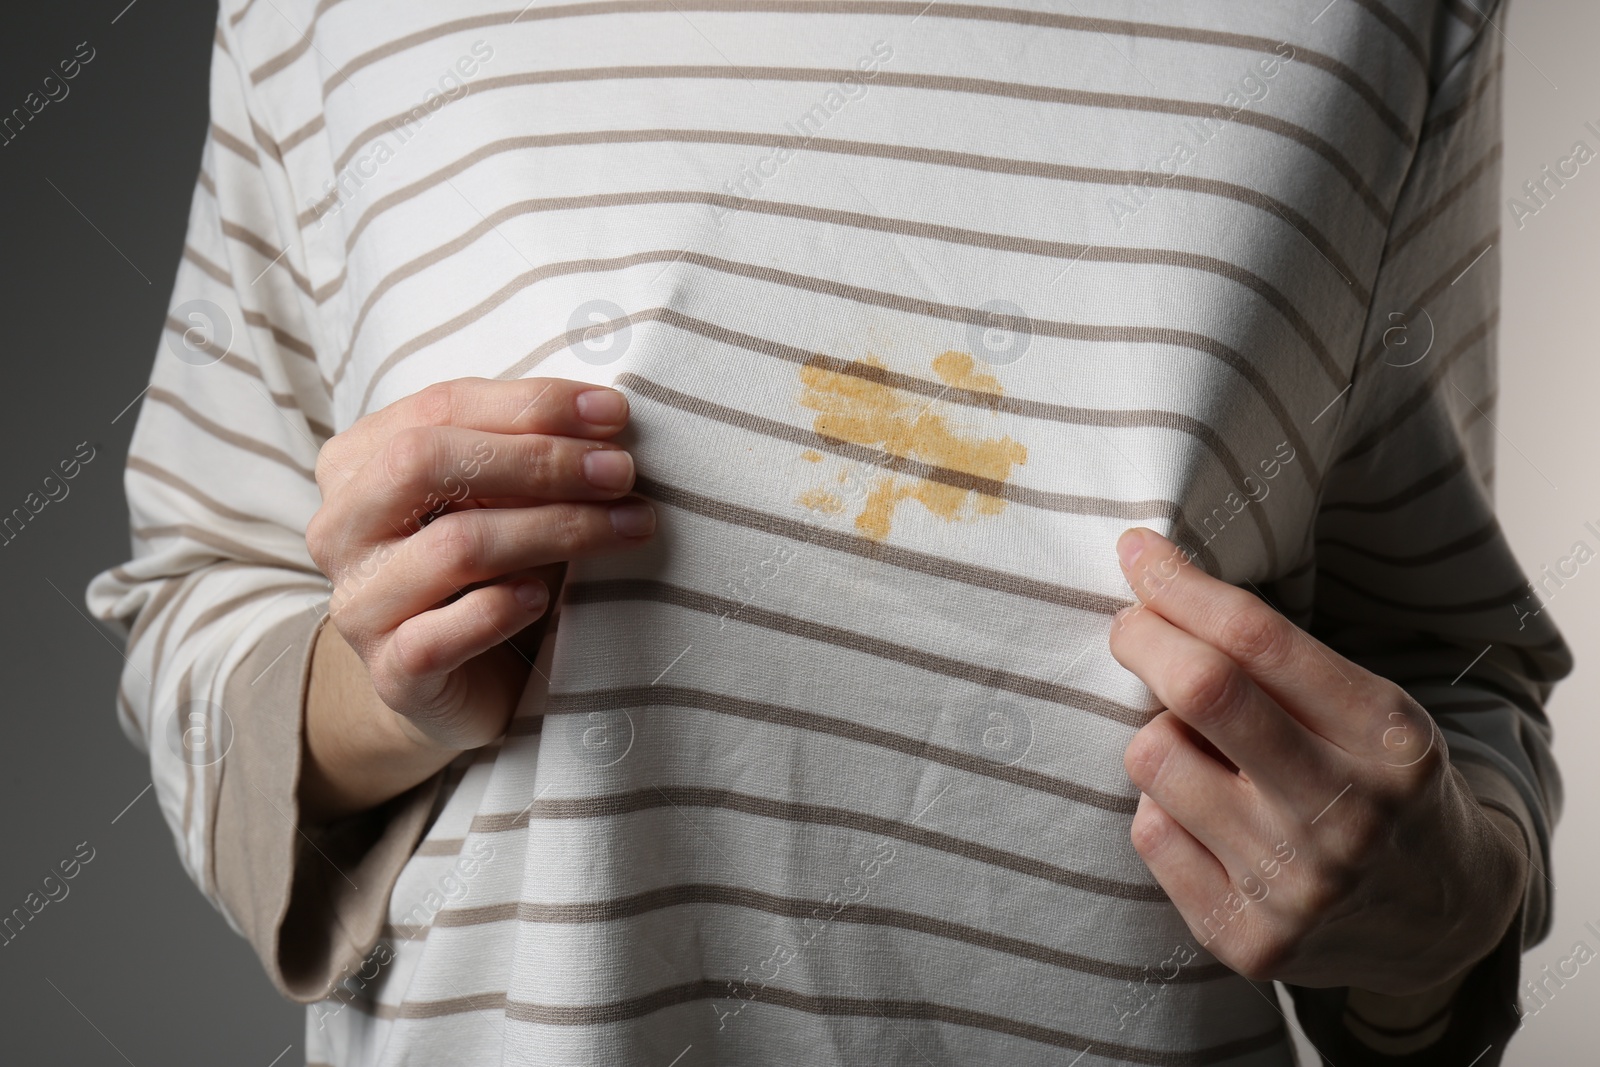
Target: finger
(1191,876)
(1214,695)
(1330,694)
(1216,806)
(412,666)
(463,548)
(528,405)
(423,471)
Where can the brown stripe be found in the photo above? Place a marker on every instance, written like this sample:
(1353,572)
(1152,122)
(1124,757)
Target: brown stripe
(166,477)
(1070,503)
(1044,499)
(1059,250)
(917,9)
(710,989)
(1423,485)
(1027,408)
(1445,119)
(1485,534)
(266,143)
(643,589)
(1450,196)
(1419,399)
(1480,410)
(1467,607)
(892,555)
(1401,31)
(1063,172)
(1458,706)
(1072,331)
(1438,286)
(933,82)
(224,356)
(222,433)
(230,548)
(671,696)
(226,607)
(305,133)
(1450,117)
(287,341)
(234,144)
(237,16)
(450,846)
(166,589)
(277,257)
(217,273)
(283,59)
(285,401)
(190,583)
(677,896)
(1470,16)
(654,798)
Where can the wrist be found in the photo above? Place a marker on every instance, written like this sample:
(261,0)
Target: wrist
(357,752)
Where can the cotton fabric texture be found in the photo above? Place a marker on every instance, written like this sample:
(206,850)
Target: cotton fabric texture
(918,306)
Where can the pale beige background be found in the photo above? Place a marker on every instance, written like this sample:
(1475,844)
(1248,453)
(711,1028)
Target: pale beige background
(1548,483)
(1547,478)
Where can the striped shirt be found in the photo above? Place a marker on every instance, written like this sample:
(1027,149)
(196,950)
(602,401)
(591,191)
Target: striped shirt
(917,305)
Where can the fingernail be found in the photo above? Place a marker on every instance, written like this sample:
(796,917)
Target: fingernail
(608,468)
(602,407)
(1129,545)
(531,595)
(633,520)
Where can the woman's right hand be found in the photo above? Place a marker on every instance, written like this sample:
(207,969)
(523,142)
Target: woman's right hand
(445,518)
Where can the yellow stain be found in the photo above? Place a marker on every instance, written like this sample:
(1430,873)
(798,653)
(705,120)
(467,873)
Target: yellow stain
(823,501)
(905,425)
(811,455)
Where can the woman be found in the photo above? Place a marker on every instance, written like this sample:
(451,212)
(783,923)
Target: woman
(627,534)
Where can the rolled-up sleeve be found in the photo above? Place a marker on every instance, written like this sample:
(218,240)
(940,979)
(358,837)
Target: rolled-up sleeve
(220,603)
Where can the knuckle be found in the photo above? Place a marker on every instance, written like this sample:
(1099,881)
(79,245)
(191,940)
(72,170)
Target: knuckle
(329,462)
(455,543)
(1150,832)
(406,658)
(1317,886)
(1147,753)
(436,405)
(1124,620)
(1208,690)
(567,528)
(1261,956)
(408,456)
(1253,634)
(319,541)
(540,458)
(1365,827)
(1420,755)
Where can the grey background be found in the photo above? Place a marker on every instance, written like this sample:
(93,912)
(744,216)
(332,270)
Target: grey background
(133,967)
(143,970)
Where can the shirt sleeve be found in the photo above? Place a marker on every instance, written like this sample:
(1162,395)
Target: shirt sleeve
(221,603)
(1413,577)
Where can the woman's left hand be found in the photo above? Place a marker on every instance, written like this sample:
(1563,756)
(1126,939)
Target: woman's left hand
(1301,812)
